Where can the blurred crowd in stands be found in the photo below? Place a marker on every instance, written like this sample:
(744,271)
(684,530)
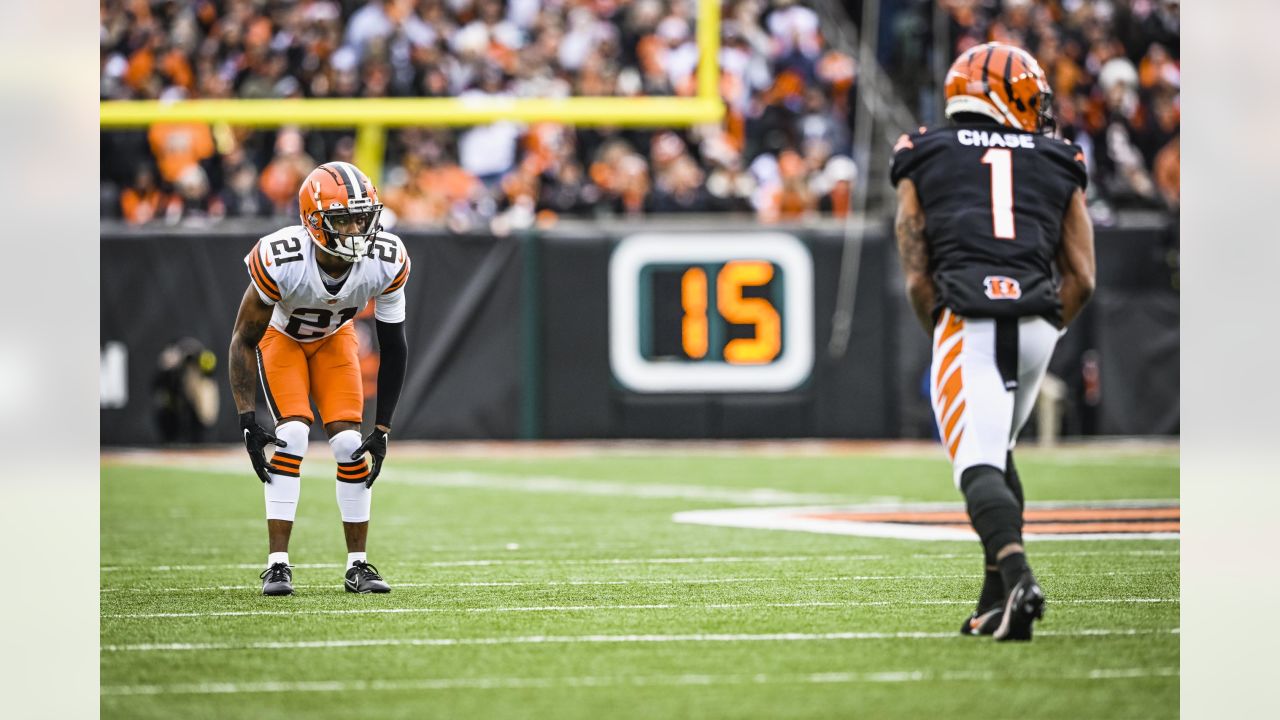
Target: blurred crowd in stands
(783,153)
(1113,66)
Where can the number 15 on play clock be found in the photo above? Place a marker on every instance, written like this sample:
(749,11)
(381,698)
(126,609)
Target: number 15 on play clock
(698,312)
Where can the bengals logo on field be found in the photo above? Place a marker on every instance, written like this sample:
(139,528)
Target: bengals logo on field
(1000,287)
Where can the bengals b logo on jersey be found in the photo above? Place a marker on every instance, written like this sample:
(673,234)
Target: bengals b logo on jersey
(999,287)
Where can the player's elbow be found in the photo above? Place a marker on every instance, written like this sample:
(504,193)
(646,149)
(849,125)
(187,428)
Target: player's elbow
(1082,286)
(918,285)
(1086,281)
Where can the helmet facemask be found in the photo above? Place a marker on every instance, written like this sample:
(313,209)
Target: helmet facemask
(1046,123)
(348,229)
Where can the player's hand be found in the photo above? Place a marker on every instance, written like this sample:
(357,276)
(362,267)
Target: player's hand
(255,439)
(376,446)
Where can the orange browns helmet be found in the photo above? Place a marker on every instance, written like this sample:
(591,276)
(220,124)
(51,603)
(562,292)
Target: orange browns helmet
(339,208)
(1002,82)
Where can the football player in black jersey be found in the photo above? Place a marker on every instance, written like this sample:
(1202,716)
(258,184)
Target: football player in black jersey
(997,252)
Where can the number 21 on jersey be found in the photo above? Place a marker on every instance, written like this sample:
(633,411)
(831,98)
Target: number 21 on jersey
(1001,162)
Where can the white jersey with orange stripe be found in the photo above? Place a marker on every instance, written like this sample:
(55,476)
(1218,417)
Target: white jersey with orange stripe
(284,271)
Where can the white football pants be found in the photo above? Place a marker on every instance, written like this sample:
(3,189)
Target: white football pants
(979,410)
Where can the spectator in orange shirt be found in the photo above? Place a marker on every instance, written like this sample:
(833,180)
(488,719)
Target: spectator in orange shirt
(179,146)
(795,199)
(141,201)
(282,176)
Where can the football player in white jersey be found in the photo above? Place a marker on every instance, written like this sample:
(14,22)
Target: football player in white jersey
(294,336)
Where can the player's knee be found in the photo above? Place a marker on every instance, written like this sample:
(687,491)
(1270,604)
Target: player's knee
(295,433)
(993,509)
(354,499)
(344,444)
(984,486)
(1013,481)
(286,468)
(287,461)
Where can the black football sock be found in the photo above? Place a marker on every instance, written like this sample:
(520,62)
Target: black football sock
(993,509)
(992,589)
(1011,478)
(1012,568)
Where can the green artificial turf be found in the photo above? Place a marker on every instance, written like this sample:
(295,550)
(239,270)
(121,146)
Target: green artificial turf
(560,587)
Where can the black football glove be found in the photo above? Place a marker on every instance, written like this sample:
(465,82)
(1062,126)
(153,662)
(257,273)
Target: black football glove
(255,439)
(376,446)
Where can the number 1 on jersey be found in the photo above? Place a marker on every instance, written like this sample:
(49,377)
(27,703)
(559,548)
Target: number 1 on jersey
(1001,162)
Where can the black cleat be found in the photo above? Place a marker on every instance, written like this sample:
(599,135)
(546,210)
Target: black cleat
(1023,606)
(277,580)
(983,621)
(364,578)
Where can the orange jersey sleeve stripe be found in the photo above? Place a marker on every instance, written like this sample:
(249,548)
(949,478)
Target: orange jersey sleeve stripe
(256,276)
(400,279)
(261,278)
(268,283)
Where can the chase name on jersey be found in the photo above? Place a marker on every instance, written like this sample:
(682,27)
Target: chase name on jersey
(983,138)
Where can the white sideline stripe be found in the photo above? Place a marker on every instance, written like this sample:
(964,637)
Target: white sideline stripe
(549,484)
(612,488)
(573,639)
(668,581)
(644,561)
(583,608)
(509,683)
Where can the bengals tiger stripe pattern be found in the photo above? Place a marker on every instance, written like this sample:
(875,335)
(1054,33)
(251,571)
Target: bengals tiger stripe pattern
(948,382)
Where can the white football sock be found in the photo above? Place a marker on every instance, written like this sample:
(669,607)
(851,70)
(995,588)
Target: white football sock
(353,557)
(354,499)
(277,557)
(286,468)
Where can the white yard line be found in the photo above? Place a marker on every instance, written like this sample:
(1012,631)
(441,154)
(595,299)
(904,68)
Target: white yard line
(710,560)
(510,683)
(607,639)
(611,488)
(594,608)
(667,581)
(545,484)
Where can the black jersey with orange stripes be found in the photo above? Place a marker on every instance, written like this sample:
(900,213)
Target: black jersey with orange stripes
(283,269)
(993,200)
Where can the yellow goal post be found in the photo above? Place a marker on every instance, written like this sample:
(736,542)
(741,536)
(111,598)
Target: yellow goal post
(372,116)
